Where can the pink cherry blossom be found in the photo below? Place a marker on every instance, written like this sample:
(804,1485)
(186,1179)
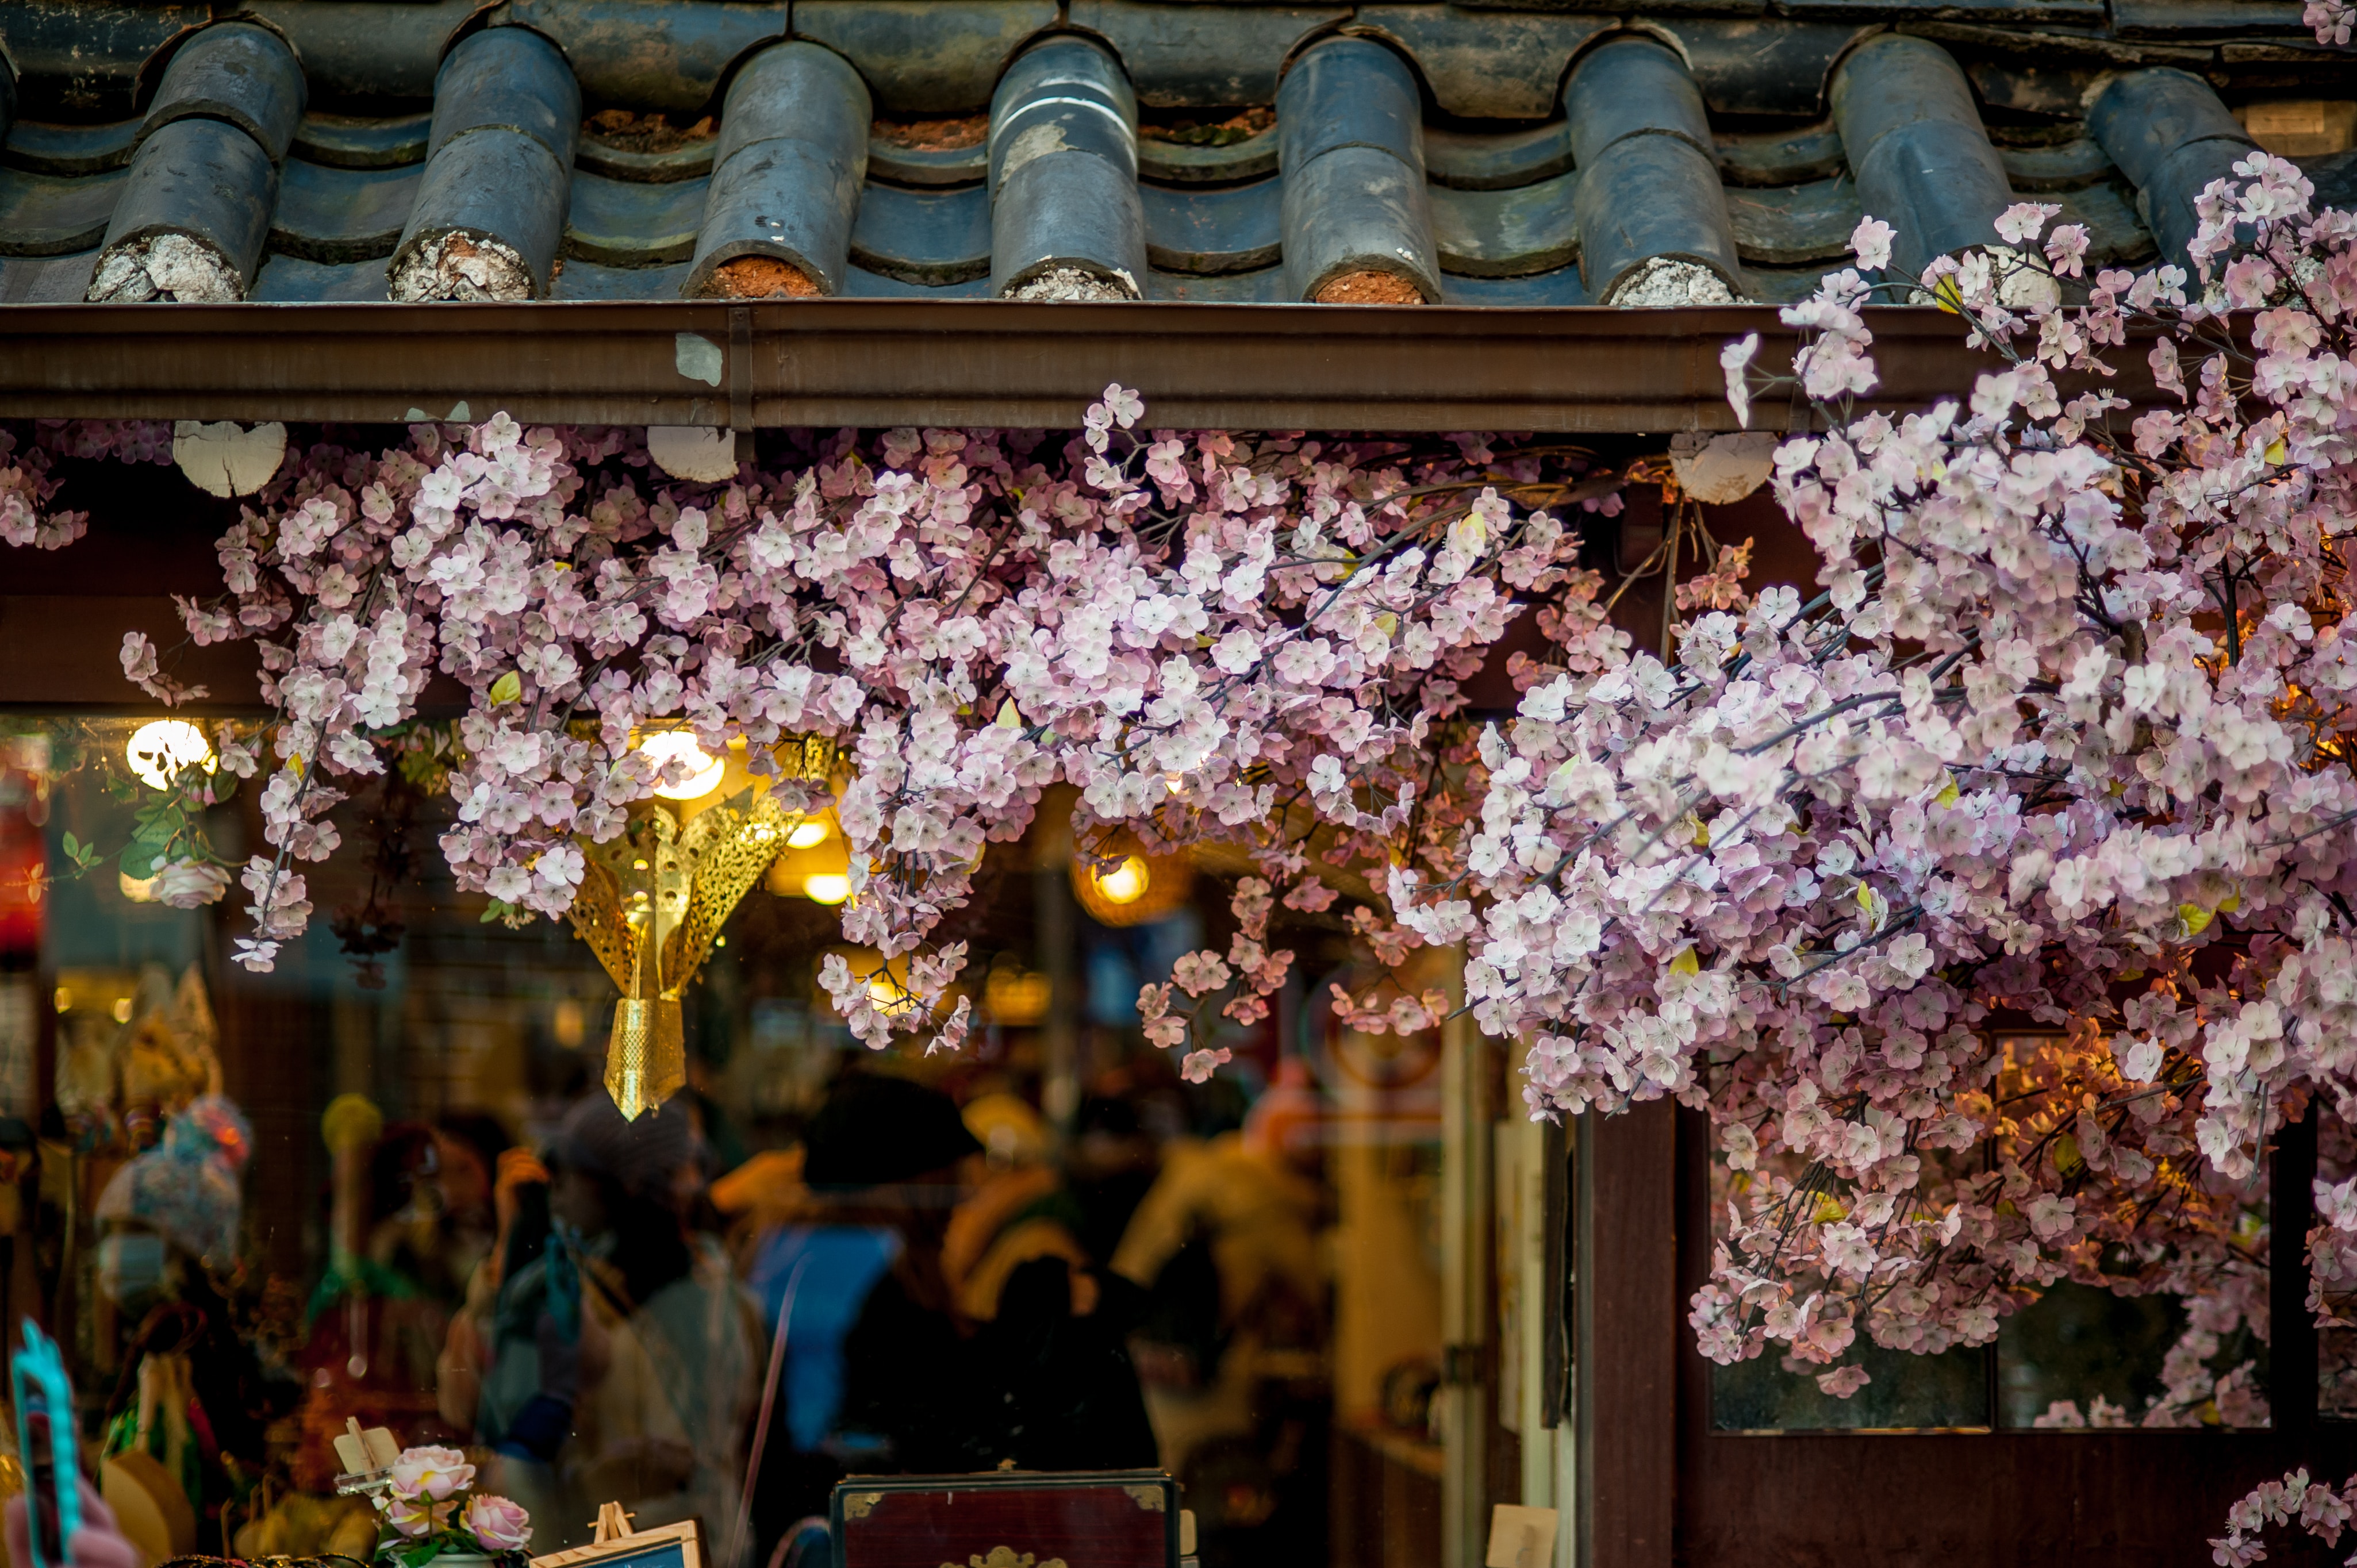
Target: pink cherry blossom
(2059,733)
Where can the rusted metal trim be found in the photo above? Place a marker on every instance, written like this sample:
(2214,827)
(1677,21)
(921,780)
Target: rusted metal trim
(828,362)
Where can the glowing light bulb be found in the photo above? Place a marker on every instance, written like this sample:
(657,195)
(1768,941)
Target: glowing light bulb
(703,770)
(807,834)
(888,997)
(161,747)
(1126,882)
(827,888)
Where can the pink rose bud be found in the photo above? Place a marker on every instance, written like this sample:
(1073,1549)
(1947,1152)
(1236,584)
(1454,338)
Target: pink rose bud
(434,1472)
(499,1524)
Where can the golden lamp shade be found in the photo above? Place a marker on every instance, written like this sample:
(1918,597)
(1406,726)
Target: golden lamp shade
(652,900)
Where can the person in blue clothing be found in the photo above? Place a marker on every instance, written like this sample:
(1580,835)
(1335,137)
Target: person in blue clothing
(624,1357)
(876,1378)
(883,1373)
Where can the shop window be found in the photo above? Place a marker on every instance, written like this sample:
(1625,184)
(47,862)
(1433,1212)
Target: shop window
(386,1181)
(2081,1356)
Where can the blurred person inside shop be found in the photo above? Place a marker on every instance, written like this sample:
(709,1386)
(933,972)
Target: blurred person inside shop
(1054,1368)
(1237,1405)
(188,1411)
(622,1358)
(433,1198)
(941,1314)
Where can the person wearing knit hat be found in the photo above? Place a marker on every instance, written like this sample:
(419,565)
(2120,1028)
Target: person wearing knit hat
(659,1156)
(878,1131)
(876,1374)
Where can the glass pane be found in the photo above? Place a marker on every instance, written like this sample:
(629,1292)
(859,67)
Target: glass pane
(1906,1391)
(1773,1392)
(386,1182)
(2081,1354)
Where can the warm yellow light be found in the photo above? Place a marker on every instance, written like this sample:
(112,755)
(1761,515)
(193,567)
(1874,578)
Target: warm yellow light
(64,1000)
(806,834)
(138,889)
(123,1009)
(826,888)
(1126,882)
(703,770)
(161,747)
(888,997)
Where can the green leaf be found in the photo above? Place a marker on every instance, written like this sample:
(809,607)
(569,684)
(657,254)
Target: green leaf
(499,909)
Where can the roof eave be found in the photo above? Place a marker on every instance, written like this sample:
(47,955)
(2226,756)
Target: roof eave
(980,363)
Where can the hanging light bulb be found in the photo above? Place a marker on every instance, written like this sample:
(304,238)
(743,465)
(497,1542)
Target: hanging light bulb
(807,834)
(160,749)
(825,888)
(1126,882)
(703,770)
(1120,883)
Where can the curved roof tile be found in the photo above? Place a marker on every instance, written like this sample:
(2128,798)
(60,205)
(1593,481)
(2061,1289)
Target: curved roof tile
(1457,108)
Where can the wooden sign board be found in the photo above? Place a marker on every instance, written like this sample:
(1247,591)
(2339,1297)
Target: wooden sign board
(1101,1518)
(661,1546)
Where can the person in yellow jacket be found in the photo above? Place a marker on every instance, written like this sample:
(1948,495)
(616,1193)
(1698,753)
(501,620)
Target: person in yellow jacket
(1018,1210)
(1254,1197)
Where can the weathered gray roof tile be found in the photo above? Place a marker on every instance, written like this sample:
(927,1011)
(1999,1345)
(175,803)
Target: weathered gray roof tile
(1780,158)
(1221,228)
(55,215)
(1496,160)
(1789,224)
(2066,166)
(921,236)
(1265,286)
(1508,233)
(792,158)
(903,165)
(1185,56)
(359,141)
(1456,105)
(1509,69)
(1184,162)
(617,223)
(1562,287)
(46,280)
(866,284)
(650,54)
(935,57)
(587,280)
(71,149)
(294,280)
(341,215)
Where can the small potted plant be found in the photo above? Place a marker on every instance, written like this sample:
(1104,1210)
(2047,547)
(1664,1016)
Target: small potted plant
(427,1520)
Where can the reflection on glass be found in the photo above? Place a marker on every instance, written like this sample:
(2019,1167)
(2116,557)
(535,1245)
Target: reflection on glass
(1906,1391)
(382,1183)
(2082,1356)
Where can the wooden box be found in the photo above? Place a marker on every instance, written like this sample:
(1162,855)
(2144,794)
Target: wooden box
(1083,1519)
